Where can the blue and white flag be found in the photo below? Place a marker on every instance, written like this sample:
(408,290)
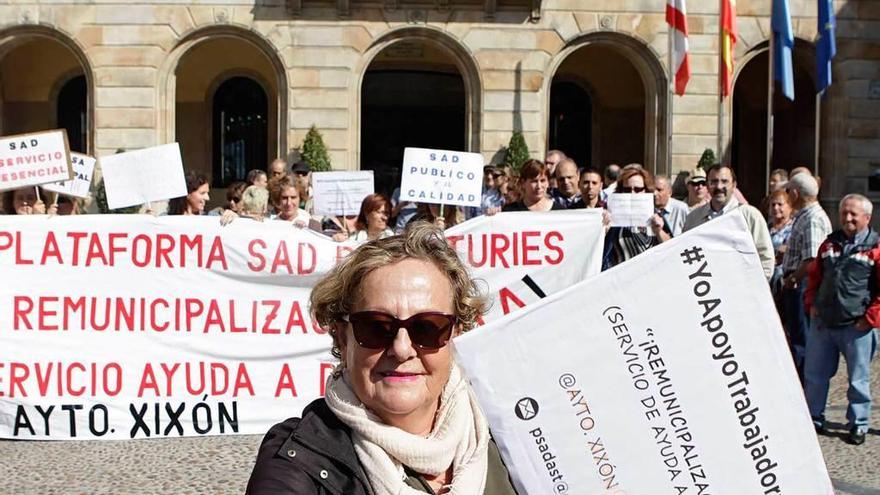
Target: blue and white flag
(826,45)
(783,41)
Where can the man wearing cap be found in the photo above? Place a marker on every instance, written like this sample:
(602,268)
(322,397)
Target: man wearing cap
(698,194)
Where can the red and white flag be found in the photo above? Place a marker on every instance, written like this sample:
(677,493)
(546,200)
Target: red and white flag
(676,17)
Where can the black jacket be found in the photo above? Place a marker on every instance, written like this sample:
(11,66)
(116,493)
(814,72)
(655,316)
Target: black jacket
(315,455)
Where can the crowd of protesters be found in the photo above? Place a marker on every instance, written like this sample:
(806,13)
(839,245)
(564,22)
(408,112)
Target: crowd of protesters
(811,291)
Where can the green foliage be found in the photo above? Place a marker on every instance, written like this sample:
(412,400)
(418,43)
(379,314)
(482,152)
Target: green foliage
(314,152)
(707,159)
(517,151)
(101,199)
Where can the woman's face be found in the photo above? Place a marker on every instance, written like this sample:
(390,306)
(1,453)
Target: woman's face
(378,218)
(23,201)
(401,380)
(197,199)
(535,188)
(635,184)
(780,210)
(288,204)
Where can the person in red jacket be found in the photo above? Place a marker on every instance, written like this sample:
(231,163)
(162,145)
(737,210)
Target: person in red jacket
(844,306)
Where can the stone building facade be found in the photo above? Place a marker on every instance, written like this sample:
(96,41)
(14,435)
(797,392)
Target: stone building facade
(240,83)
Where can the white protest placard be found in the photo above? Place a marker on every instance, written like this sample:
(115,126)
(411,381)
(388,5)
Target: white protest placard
(630,210)
(341,193)
(175,326)
(442,177)
(78,187)
(34,159)
(138,177)
(667,374)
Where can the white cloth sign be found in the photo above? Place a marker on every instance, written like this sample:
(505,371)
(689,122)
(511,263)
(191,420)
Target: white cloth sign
(138,177)
(630,210)
(666,374)
(143,327)
(341,193)
(442,177)
(34,159)
(78,186)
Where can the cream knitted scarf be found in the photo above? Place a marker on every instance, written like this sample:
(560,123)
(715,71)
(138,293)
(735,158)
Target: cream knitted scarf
(459,438)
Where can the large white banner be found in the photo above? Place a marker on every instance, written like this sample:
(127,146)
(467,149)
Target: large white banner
(128,326)
(667,374)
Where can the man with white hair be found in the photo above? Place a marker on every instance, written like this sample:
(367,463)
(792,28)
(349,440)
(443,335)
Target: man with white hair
(810,228)
(672,211)
(844,304)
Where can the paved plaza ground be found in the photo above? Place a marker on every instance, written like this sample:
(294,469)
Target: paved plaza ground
(220,465)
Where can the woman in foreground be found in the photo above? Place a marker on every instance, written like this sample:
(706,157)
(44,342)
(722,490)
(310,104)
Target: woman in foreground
(398,416)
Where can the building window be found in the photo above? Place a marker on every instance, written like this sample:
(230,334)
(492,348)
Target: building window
(240,130)
(71,113)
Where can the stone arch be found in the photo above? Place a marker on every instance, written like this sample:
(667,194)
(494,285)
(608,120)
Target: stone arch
(17,36)
(275,84)
(463,60)
(646,64)
(797,118)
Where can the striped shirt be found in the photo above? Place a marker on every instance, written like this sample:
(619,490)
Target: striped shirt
(810,228)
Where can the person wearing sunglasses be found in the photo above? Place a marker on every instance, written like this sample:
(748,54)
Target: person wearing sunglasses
(623,243)
(398,416)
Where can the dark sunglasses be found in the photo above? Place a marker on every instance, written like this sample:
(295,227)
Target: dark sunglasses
(377,330)
(234,200)
(697,183)
(626,189)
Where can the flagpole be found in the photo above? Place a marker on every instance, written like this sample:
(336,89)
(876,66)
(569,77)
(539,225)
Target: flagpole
(670,97)
(722,67)
(770,84)
(818,131)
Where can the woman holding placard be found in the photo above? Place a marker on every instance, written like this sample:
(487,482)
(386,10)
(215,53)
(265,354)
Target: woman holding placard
(533,182)
(623,243)
(398,416)
(197,196)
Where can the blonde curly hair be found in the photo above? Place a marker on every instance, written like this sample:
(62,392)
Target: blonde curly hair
(333,295)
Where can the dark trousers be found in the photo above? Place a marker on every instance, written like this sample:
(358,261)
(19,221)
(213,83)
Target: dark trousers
(796,324)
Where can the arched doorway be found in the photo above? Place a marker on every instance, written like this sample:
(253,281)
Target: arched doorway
(571,121)
(72,114)
(417,91)
(608,103)
(229,99)
(240,129)
(794,122)
(52,94)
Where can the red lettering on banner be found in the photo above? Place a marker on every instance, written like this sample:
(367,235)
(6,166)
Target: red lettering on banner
(148,381)
(295,318)
(254,254)
(96,250)
(470,246)
(164,246)
(18,373)
(19,314)
(326,369)
(285,382)
(273,313)
(217,254)
(19,259)
(82,389)
(5,240)
(506,296)
(282,258)
(453,240)
(169,376)
(77,237)
(214,317)
(500,243)
(59,379)
(528,247)
(552,247)
(45,312)
(301,267)
(51,249)
(342,252)
(242,381)
(114,248)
